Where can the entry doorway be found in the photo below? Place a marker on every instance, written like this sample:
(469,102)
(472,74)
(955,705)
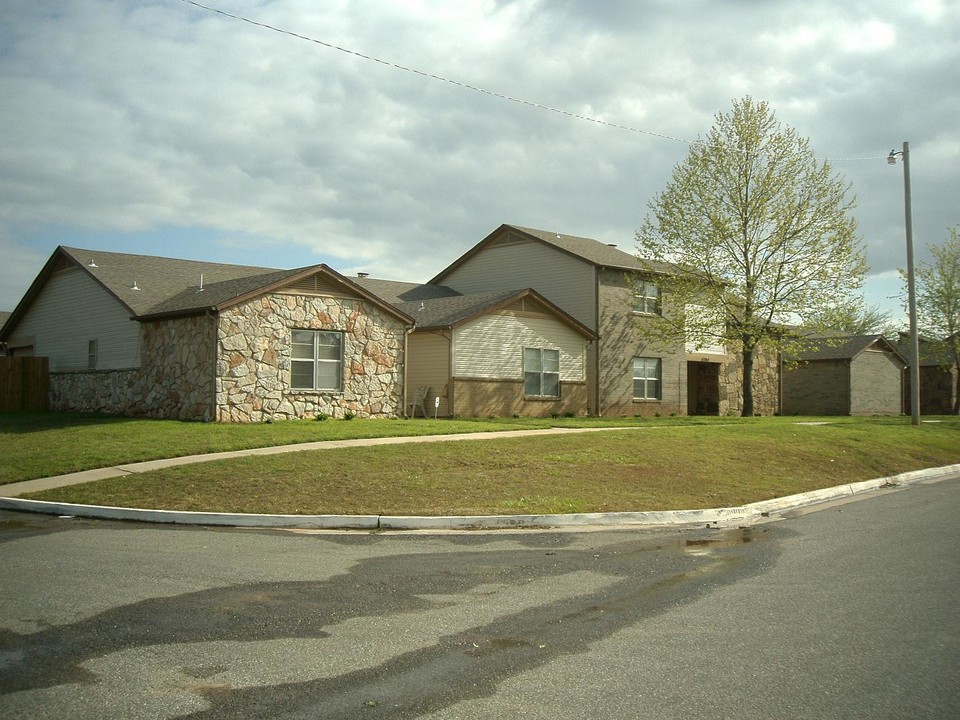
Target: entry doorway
(703,388)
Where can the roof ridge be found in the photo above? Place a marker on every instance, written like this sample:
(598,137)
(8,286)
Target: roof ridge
(76,254)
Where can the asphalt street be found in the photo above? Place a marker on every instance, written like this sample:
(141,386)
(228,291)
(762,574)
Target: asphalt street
(845,610)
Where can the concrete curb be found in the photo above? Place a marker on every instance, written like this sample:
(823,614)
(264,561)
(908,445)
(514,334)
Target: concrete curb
(714,517)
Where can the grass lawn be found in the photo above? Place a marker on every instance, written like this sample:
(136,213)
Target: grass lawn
(654,464)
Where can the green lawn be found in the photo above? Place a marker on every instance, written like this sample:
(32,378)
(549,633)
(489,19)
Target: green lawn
(36,445)
(663,463)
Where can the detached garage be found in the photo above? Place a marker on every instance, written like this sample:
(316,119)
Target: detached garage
(853,375)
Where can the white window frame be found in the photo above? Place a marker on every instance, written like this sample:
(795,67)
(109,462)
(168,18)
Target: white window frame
(541,366)
(646,297)
(647,370)
(311,359)
(703,336)
(93,354)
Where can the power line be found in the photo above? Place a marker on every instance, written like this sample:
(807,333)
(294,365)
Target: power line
(433,76)
(466,86)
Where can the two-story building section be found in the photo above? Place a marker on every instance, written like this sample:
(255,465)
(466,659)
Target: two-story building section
(611,292)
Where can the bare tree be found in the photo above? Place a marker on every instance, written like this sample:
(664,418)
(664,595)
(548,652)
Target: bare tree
(760,233)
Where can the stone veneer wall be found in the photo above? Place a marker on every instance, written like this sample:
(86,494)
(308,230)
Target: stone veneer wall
(766,384)
(174,380)
(253,370)
(107,391)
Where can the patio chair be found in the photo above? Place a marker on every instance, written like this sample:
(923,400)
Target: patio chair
(419,398)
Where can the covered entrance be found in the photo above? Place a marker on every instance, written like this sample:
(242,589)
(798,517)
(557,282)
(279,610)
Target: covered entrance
(703,388)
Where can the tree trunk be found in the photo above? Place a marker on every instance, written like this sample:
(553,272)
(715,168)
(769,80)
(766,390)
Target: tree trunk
(747,381)
(956,395)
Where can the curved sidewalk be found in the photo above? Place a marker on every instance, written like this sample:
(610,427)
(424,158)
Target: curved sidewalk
(713,517)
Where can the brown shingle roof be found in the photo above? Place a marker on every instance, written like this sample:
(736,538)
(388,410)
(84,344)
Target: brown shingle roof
(446,312)
(586,249)
(593,251)
(932,352)
(168,285)
(843,347)
(396,292)
(150,287)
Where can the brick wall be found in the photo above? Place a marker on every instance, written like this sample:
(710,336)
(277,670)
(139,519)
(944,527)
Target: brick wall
(504,398)
(875,388)
(817,388)
(620,342)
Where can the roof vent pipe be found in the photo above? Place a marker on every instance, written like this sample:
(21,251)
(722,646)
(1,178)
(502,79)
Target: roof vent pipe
(201,282)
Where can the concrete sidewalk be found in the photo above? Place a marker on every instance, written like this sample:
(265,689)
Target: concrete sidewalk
(29,486)
(714,517)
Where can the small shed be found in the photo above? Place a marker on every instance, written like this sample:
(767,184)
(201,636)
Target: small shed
(849,375)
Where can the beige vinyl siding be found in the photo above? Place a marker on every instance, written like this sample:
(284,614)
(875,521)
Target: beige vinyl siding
(71,310)
(428,363)
(564,280)
(492,346)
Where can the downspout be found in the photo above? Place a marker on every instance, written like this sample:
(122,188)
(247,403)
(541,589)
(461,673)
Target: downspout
(596,343)
(451,388)
(780,383)
(682,408)
(214,407)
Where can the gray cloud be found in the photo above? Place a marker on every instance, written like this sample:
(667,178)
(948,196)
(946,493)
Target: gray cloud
(121,120)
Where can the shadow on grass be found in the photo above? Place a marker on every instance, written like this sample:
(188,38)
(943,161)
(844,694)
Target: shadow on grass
(39,421)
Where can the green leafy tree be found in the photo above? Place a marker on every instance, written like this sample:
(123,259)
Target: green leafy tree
(938,302)
(854,317)
(760,235)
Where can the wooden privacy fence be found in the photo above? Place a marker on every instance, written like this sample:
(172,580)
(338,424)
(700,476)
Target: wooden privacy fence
(24,383)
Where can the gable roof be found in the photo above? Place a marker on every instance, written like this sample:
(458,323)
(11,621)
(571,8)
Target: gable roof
(588,250)
(157,279)
(152,287)
(932,352)
(845,347)
(451,311)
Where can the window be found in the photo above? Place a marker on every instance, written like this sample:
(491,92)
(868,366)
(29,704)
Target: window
(704,331)
(92,355)
(541,372)
(316,360)
(646,297)
(646,378)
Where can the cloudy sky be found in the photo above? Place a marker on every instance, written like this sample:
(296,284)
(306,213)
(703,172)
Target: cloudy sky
(159,127)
